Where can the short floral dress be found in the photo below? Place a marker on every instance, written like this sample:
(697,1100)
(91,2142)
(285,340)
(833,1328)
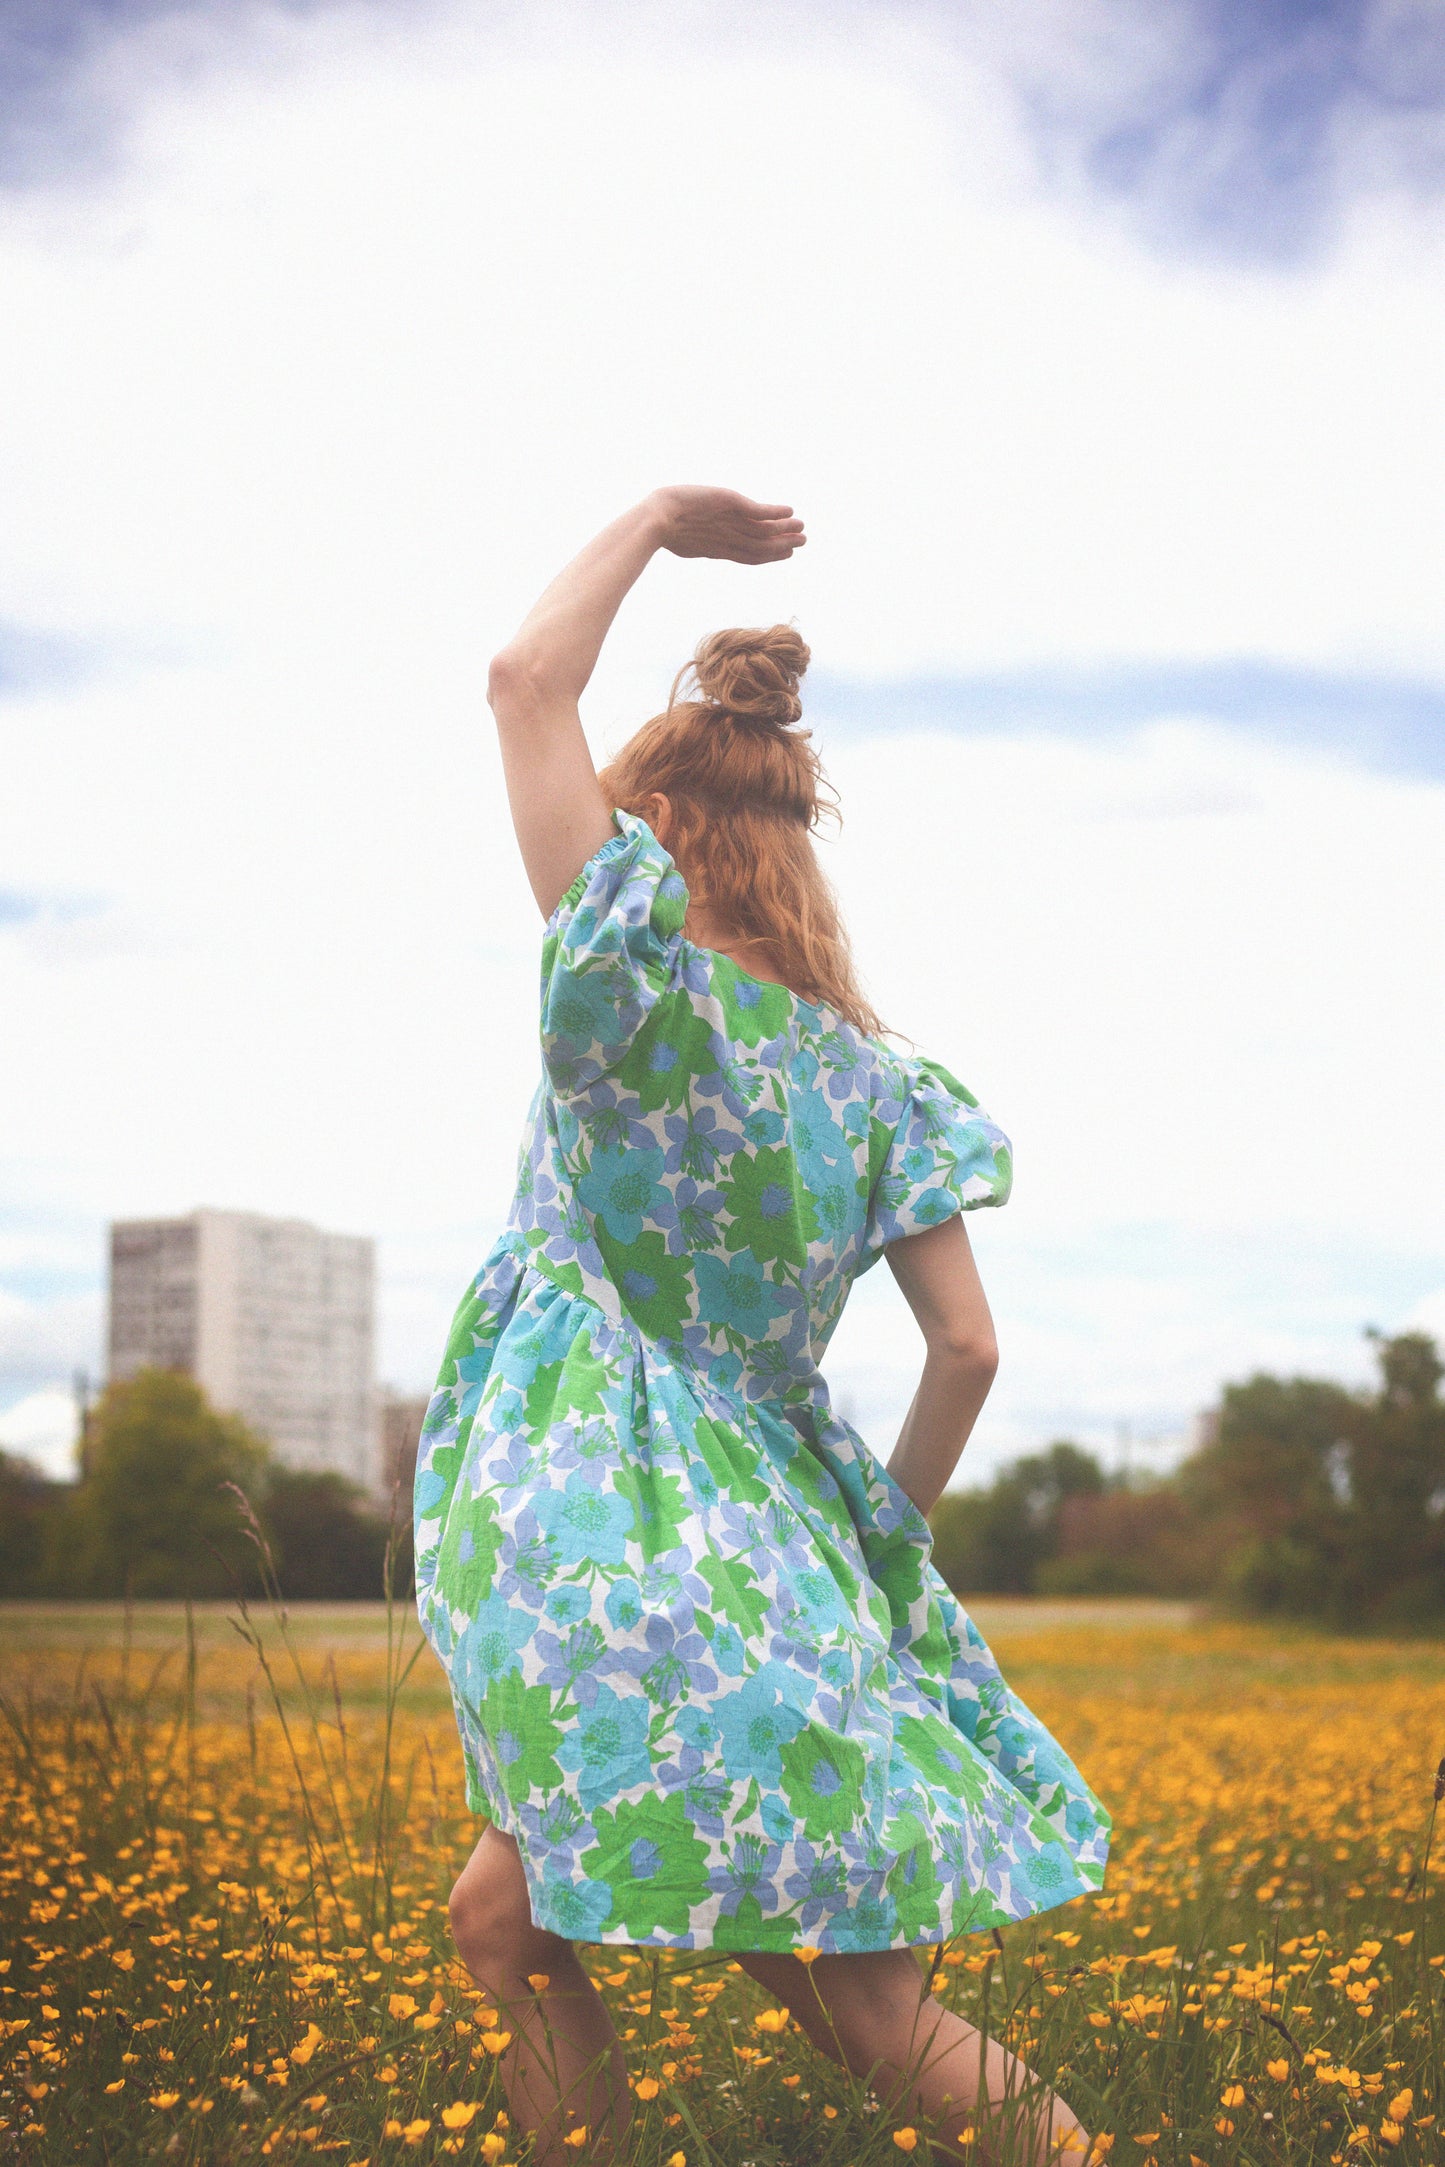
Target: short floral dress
(702,1667)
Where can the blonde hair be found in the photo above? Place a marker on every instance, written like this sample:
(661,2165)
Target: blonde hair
(747,790)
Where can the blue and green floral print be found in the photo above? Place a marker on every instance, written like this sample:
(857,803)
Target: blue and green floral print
(703,1669)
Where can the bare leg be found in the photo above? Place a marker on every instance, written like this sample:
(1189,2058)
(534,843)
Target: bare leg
(875,2016)
(564,2069)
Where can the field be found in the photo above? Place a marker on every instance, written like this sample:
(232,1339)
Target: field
(225,1855)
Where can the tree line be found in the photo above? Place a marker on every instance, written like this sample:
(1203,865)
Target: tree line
(1302,1499)
(177,1499)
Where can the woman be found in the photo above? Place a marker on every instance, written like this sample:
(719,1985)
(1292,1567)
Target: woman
(710,1691)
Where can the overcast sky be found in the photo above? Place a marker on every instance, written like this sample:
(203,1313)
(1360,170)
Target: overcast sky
(1102,354)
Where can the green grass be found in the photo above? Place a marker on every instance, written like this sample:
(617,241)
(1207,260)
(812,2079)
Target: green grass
(224,1868)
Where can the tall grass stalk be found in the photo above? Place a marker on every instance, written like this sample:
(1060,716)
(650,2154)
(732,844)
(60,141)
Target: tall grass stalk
(226,1938)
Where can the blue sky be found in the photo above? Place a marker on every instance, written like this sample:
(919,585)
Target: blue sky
(1396,724)
(1245,125)
(1100,347)
(1233,125)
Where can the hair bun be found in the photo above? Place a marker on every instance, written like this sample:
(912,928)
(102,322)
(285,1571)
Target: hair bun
(753,676)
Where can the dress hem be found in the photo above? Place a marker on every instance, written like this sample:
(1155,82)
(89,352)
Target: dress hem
(695,1943)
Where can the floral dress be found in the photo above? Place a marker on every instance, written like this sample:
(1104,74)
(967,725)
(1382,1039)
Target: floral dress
(702,1667)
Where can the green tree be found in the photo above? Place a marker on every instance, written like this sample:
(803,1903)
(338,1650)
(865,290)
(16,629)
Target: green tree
(1396,1487)
(993,1541)
(1270,1479)
(28,1502)
(1273,1451)
(327,1542)
(1331,1503)
(1131,1539)
(151,1514)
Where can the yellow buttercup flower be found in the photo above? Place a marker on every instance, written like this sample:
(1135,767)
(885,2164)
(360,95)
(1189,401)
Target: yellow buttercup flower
(285,1973)
(305,2048)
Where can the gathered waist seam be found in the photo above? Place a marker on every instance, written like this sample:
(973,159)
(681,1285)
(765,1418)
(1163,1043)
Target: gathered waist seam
(515,1244)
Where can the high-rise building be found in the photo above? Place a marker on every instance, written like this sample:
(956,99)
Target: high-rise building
(272,1317)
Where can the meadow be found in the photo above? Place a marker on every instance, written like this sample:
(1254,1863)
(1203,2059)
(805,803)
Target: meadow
(226,1843)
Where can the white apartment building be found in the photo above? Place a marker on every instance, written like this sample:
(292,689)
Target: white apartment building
(272,1317)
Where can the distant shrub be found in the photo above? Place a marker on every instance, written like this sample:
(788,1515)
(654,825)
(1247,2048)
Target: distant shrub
(27,1501)
(155,1515)
(1303,1500)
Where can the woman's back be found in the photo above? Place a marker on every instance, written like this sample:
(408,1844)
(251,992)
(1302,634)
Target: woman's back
(712,1157)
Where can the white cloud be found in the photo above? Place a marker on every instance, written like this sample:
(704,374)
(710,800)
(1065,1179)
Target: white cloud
(1196,964)
(368,328)
(304,404)
(1188,973)
(44,1339)
(43,1428)
(38,1332)
(1428,1315)
(1183,970)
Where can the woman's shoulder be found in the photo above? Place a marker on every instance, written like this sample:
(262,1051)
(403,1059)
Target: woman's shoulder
(631,876)
(609,955)
(934,1152)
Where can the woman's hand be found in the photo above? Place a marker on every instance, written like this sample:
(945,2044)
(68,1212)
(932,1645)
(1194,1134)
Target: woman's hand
(559,812)
(701,522)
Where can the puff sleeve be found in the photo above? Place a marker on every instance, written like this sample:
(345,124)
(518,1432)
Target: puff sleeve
(944,1156)
(609,953)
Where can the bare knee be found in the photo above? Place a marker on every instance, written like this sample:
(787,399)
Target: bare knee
(856,2008)
(490,1909)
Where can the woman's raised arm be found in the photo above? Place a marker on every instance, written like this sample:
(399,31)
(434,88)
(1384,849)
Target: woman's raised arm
(535,683)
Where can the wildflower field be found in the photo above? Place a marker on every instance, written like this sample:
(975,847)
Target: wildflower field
(225,1857)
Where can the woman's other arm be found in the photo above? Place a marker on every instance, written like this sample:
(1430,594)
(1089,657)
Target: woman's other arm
(535,683)
(941,1285)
